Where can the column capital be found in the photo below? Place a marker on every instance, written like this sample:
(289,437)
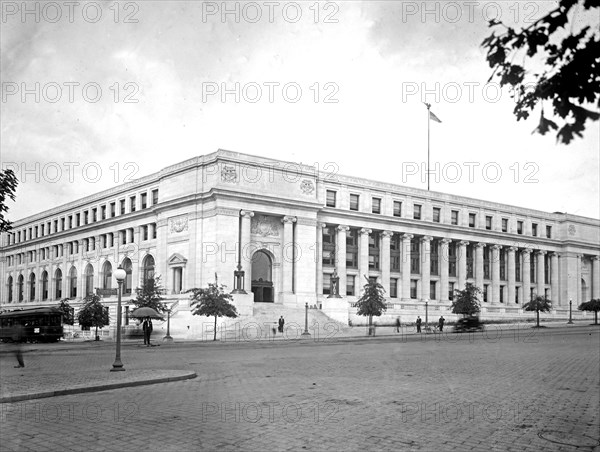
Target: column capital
(426,238)
(446,241)
(246,213)
(321,225)
(479,244)
(288,219)
(463,243)
(526,250)
(594,258)
(554,254)
(343,228)
(387,234)
(366,231)
(512,249)
(540,252)
(407,237)
(496,247)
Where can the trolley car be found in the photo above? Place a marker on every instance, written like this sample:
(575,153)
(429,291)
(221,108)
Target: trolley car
(31,325)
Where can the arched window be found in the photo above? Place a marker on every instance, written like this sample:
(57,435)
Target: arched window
(73,283)
(10,289)
(44,285)
(106,275)
(20,287)
(58,284)
(89,280)
(128,271)
(32,287)
(148,269)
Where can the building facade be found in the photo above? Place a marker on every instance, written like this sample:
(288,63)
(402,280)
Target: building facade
(288,228)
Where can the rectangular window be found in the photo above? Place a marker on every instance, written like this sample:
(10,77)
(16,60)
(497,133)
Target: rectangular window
(485,292)
(504,224)
(451,291)
(534,229)
(454,217)
(432,292)
(328,246)
(376,205)
(472,218)
(85,217)
(417,212)
(518,266)
(113,209)
(503,265)
(350,285)
(352,248)
(397,209)
(94,215)
(330,198)
(77,219)
(486,262)
(519,227)
(413,289)
(374,250)
(452,259)
(155,196)
(469,261)
(395,252)
(437,213)
(488,222)
(70,221)
(103,212)
(434,260)
(122,206)
(549,232)
(354,202)
(132,204)
(144,200)
(62,227)
(501,294)
(145,232)
(153,230)
(326,283)
(415,256)
(394,288)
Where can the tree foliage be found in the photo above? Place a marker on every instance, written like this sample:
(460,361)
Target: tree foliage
(67,311)
(538,304)
(591,306)
(466,301)
(150,295)
(93,314)
(372,301)
(212,301)
(8,186)
(569,78)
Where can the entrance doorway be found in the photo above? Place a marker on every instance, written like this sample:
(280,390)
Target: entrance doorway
(262,280)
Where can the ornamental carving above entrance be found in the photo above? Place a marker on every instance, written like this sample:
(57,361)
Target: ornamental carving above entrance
(178,224)
(265,226)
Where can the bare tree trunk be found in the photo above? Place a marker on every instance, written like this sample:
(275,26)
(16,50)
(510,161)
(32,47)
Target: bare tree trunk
(97,338)
(215,338)
(538,317)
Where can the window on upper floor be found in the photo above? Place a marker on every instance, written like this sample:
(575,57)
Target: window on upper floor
(488,222)
(437,214)
(132,203)
(454,217)
(417,212)
(519,227)
(113,209)
(354,200)
(534,229)
(504,224)
(144,200)
(549,232)
(155,196)
(397,209)
(330,198)
(94,215)
(77,219)
(472,218)
(122,206)
(103,212)
(376,205)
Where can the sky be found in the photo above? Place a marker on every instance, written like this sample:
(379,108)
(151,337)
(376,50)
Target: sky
(97,93)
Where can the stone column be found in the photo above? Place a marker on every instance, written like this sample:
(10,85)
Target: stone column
(425,267)
(406,238)
(554,291)
(479,264)
(511,275)
(319,258)
(443,256)
(495,298)
(461,255)
(525,275)
(287,269)
(246,260)
(340,258)
(595,278)
(577,298)
(540,272)
(363,264)
(305,268)
(384,260)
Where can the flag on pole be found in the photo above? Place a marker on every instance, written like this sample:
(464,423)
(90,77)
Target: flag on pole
(434,117)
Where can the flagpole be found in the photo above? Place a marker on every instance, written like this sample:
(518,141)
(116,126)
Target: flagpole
(428,121)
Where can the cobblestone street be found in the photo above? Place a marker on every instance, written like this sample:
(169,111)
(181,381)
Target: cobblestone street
(517,392)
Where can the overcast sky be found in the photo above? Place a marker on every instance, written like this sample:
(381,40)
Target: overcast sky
(361,68)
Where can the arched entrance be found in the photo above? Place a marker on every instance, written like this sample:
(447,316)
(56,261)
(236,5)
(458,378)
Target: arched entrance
(262,277)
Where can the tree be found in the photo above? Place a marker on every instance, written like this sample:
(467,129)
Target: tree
(67,311)
(593,306)
(570,74)
(466,302)
(212,301)
(372,302)
(150,295)
(8,185)
(93,314)
(537,304)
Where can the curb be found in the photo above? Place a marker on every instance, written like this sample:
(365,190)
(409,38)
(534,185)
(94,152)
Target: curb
(95,388)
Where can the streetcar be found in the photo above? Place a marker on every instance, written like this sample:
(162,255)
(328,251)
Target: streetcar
(31,325)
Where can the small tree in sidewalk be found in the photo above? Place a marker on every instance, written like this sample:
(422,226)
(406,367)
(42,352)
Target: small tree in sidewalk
(538,304)
(213,301)
(466,302)
(150,295)
(592,306)
(372,302)
(93,314)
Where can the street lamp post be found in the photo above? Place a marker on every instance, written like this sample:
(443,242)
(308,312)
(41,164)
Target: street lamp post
(570,312)
(426,306)
(118,365)
(306,333)
(168,337)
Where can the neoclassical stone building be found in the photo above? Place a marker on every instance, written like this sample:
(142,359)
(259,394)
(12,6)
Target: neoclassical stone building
(285,228)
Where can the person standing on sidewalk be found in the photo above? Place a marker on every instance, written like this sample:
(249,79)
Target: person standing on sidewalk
(281,323)
(441,323)
(398,324)
(17,337)
(418,324)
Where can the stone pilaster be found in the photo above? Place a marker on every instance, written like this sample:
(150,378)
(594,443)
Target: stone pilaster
(525,275)
(540,272)
(425,267)
(406,238)
(495,298)
(479,265)
(444,268)
(511,275)
(246,260)
(340,257)
(363,264)
(461,256)
(287,261)
(385,260)
(554,281)
(319,258)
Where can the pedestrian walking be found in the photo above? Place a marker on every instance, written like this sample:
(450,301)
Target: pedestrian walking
(441,323)
(281,323)
(418,324)
(398,324)
(17,338)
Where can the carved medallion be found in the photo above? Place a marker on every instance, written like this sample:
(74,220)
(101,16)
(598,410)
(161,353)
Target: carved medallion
(265,226)
(572,229)
(228,174)
(307,187)
(178,224)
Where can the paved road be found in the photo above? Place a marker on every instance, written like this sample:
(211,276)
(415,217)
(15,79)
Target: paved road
(517,392)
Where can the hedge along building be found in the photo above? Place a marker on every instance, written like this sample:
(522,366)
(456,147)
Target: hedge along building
(285,228)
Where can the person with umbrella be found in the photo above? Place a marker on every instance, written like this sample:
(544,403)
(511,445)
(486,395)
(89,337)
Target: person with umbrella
(147,327)
(147,314)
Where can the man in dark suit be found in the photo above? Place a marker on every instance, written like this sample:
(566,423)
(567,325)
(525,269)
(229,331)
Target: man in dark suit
(281,323)
(418,324)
